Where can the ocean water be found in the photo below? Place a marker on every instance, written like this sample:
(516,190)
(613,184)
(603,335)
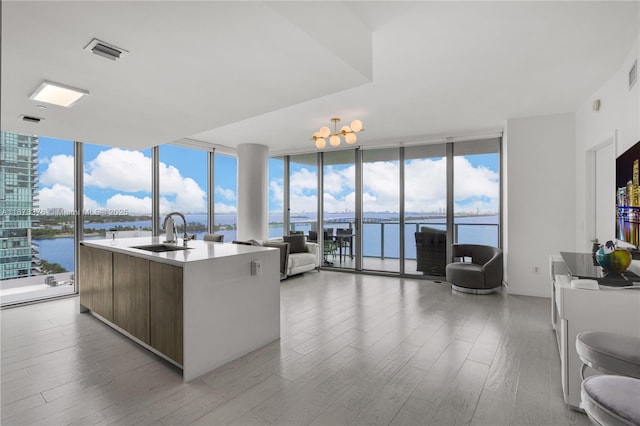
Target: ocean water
(379,239)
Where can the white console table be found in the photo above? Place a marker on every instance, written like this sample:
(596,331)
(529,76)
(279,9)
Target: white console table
(574,311)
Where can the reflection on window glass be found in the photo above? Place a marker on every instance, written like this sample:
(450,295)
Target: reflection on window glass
(303,193)
(183,187)
(36,217)
(224,196)
(276,192)
(381,209)
(117,192)
(476,192)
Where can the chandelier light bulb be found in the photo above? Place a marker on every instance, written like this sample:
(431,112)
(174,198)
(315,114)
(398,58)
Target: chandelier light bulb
(324,131)
(332,136)
(350,138)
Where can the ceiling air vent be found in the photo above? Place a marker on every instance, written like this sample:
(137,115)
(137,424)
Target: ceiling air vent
(31,119)
(106,50)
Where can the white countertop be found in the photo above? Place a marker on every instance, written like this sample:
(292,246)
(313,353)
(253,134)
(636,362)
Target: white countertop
(198,250)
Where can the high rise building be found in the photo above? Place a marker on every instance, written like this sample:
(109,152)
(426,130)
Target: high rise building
(18,198)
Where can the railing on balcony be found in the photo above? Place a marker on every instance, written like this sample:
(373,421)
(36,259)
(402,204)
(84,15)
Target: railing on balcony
(381,238)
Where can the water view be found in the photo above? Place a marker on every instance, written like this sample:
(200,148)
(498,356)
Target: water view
(381,232)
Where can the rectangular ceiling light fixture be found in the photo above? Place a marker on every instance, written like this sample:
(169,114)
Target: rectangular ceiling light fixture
(58,94)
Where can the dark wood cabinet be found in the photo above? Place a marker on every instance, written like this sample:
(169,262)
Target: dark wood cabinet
(131,295)
(140,296)
(96,281)
(165,307)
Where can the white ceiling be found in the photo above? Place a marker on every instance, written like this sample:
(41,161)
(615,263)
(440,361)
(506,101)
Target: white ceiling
(273,72)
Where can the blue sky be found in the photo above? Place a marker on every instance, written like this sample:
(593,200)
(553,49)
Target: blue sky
(118,178)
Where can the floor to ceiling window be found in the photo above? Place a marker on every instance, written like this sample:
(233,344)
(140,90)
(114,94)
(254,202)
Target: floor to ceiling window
(425,207)
(445,192)
(276,197)
(183,187)
(476,190)
(381,209)
(303,193)
(339,201)
(117,192)
(37,217)
(225,176)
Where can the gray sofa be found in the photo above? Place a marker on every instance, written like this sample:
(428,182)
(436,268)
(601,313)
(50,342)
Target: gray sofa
(479,269)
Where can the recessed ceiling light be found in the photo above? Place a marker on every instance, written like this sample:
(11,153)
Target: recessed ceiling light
(58,94)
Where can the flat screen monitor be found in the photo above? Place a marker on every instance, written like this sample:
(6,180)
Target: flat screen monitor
(628,196)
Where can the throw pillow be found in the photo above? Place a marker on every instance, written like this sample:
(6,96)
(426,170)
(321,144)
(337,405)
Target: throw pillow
(296,243)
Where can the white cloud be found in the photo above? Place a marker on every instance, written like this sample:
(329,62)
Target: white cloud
(276,193)
(381,181)
(425,185)
(225,193)
(303,189)
(303,181)
(133,204)
(221,208)
(476,188)
(187,194)
(119,169)
(59,171)
(303,203)
(57,197)
(91,204)
(130,171)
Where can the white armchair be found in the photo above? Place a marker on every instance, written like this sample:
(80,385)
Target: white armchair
(305,261)
(302,261)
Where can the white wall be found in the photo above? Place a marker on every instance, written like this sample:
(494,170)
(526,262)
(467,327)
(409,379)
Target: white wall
(539,198)
(619,115)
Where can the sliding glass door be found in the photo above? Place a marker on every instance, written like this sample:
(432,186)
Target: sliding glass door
(425,210)
(339,215)
(381,210)
(303,197)
(414,202)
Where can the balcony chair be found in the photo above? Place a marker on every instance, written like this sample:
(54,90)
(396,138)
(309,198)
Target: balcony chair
(346,241)
(482,275)
(218,238)
(329,247)
(431,251)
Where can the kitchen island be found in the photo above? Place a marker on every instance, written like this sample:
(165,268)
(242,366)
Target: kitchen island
(198,307)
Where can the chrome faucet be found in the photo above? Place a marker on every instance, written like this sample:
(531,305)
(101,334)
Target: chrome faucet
(184,225)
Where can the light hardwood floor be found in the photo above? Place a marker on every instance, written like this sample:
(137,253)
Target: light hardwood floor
(355,349)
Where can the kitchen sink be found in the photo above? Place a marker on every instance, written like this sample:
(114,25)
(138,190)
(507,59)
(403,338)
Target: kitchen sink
(160,248)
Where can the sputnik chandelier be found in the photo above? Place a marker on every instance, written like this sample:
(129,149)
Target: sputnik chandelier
(347,132)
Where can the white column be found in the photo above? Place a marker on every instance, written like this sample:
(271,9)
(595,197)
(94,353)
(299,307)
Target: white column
(253,186)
